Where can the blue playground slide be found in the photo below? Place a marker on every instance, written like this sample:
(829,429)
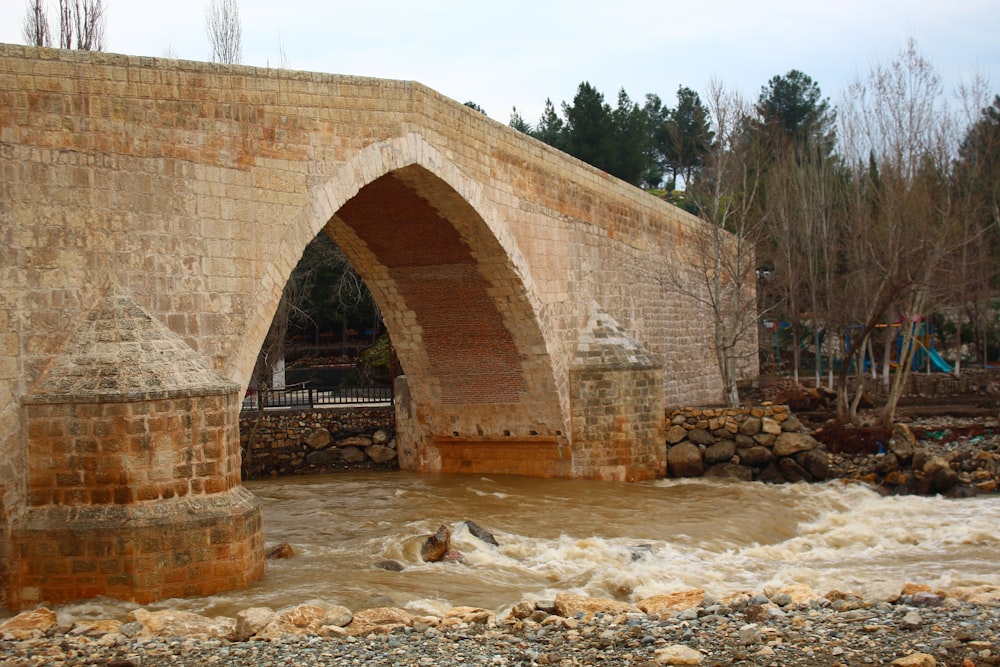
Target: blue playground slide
(938,363)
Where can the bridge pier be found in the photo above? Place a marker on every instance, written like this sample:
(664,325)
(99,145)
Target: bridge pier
(133,485)
(617,405)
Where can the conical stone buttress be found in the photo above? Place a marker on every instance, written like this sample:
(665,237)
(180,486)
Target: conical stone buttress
(133,471)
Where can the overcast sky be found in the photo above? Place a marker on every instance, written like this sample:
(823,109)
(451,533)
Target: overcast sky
(517,53)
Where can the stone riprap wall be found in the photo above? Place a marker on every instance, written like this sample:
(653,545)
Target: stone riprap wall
(765,443)
(293,442)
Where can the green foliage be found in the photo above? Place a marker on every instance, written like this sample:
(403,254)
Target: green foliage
(518,123)
(791,109)
(550,127)
(638,144)
(686,136)
(326,293)
(589,130)
(376,362)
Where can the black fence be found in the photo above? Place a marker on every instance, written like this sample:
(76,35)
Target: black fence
(317,397)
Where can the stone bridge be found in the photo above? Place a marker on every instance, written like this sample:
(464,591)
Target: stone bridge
(151,212)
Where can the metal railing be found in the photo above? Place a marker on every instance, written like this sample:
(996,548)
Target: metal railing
(317,397)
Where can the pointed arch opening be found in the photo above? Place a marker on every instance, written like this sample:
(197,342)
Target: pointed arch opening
(477,392)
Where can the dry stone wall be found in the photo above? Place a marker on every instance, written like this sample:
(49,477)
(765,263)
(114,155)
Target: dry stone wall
(293,442)
(765,443)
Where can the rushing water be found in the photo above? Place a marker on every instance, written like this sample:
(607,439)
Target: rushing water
(580,536)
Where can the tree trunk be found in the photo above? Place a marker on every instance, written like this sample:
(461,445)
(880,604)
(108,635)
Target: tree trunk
(905,358)
(887,358)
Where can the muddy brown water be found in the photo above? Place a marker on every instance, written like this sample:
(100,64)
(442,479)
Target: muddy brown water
(625,541)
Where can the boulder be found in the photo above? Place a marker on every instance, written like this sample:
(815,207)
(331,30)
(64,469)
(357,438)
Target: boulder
(26,624)
(887,464)
(787,444)
(640,551)
(283,550)
(437,545)
(338,616)
(915,660)
(730,470)
(902,443)
(97,628)
(755,456)
(797,593)
(770,426)
(379,620)
(322,458)
(380,437)
(251,621)
(478,531)
(700,436)
(678,654)
(816,462)
(569,605)
(358,441)
(750,426)
(720,452)
(522,610)
(684,460)
(469,615)
(764,439)
(380,453)
(793,472)
(302,618)
(945,479)
(319,439)
(675,434)
(984,595)
(353,455)
(390,565)
(658,605)
(772,474)
(791,424)
(177,623)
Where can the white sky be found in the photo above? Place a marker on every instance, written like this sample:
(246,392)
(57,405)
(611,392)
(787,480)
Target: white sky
(517,53)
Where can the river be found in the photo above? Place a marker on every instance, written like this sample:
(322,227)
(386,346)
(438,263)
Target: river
(625,541)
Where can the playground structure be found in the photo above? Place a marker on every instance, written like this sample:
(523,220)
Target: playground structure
(925,357)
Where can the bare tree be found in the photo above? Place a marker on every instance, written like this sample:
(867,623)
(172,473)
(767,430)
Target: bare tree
(81,24)
(723,253)
(222,22)
(973,269)
(897,124)
(805,212)
(36,25)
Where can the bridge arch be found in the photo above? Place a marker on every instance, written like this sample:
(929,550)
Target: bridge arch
(454,291)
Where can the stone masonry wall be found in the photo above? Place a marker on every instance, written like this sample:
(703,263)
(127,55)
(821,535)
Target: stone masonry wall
(292,442)
(765,443)
(196,186)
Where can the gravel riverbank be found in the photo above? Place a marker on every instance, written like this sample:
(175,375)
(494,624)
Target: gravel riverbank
(920,628)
